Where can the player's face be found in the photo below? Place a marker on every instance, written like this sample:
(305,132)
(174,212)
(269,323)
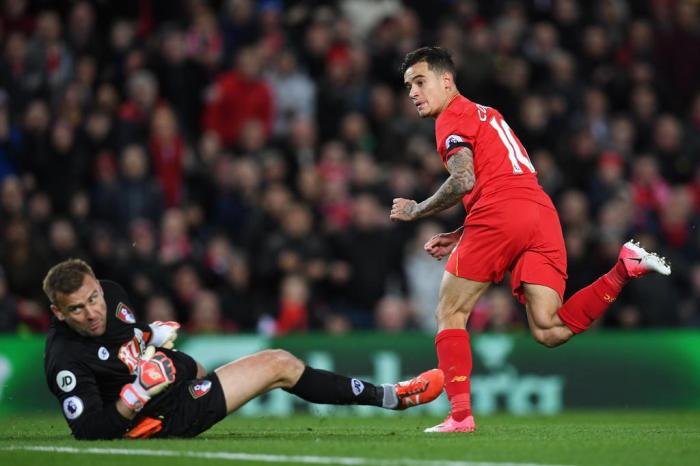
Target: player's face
(84,310)
(428,90)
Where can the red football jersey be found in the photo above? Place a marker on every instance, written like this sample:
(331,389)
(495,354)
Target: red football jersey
(501,165)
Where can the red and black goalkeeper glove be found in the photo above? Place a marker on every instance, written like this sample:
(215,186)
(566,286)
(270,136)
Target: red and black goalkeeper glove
(154,373)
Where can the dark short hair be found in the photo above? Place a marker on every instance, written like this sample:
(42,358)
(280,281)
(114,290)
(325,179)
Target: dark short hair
(66,277)
(437,58)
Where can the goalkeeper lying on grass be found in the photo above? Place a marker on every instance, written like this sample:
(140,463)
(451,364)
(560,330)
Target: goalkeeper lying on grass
(115,377)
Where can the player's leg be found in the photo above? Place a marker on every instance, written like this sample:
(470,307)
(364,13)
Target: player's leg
(554,324)
(591,302)
(458,296)
(539,279)
(253,375)
(491,240)
(456,300)
(542,304)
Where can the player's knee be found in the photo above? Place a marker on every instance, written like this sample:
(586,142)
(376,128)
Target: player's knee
(285,365)
(548,337)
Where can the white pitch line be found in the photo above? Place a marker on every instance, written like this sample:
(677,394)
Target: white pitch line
(221,455)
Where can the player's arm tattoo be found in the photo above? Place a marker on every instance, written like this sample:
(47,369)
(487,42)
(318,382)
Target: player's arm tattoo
(460,182)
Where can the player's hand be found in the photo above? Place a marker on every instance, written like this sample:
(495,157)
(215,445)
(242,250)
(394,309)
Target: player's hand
(154,372)
(442,244)
(404,210)
(163,334)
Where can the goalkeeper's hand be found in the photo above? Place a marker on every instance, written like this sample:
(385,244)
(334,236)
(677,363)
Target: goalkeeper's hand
(154,372)
(163,334)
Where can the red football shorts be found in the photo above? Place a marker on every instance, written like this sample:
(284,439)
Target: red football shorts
(517,235)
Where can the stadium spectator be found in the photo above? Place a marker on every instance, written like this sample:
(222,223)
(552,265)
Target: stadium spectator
(8,307)
(63,241)
(159,307)
(294,92)
(392,314)
(135,113)
(167,150)
(294,313)
(295,249)
(205,316)
(423,275)
(495,312)
(369,265)
(138,195)
(12,201)
(237,97)
(176,70)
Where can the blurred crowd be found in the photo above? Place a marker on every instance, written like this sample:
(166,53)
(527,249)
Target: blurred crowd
(232,163)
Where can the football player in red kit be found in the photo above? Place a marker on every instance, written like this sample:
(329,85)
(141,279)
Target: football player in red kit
(511,225)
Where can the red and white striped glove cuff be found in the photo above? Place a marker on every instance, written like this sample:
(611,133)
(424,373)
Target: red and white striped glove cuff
(134,396)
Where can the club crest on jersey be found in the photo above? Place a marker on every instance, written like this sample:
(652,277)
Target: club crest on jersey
(452,141)
(72,407)
(124,314)
(199,388)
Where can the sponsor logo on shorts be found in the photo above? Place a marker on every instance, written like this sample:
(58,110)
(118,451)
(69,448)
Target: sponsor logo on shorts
(72,407)
(199,388)
(357,386)
(124,314)
(103,353)
(66,381)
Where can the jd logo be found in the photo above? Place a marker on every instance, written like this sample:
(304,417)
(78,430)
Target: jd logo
(66,381)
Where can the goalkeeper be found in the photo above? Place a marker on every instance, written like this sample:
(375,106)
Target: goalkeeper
(115,377)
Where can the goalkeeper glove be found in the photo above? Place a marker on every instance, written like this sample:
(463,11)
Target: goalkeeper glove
(163,334)
(154,373)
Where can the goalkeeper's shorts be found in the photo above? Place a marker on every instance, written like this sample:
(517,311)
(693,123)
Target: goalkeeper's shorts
(192,407)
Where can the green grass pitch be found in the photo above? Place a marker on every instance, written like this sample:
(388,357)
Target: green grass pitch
(581,438)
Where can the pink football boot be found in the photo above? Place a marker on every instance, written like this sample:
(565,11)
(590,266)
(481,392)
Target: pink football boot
(638,262)
(450,425)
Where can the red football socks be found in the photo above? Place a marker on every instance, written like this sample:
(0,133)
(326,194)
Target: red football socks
(454,354)
(590,303)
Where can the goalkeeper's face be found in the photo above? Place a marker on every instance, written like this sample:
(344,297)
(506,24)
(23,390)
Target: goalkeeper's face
(84,310)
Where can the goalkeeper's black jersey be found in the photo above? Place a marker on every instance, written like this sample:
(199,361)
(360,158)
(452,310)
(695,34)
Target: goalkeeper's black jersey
(87,373)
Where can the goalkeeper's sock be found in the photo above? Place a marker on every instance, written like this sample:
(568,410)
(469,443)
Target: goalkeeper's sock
(455,359)
(324,387)
(590,303)
(390,400)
